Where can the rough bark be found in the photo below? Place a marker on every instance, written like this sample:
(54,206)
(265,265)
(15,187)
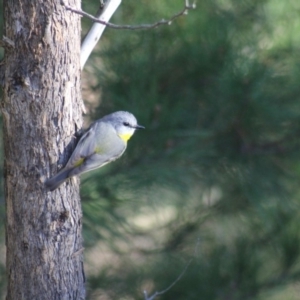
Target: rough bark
(41,111)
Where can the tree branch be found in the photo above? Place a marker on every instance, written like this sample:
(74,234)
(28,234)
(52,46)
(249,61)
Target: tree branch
(6,42)
(176,280)
(94,34)
(170,286)
(184,11)
(2,73)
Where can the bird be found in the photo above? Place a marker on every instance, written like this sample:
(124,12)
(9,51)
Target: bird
(103,142)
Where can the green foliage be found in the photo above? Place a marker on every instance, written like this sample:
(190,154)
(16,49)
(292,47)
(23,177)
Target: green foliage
(218,162)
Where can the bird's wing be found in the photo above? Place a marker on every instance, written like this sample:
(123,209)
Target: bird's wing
(98,146)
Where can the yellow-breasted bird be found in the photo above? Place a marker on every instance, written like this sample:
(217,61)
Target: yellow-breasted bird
(103,142)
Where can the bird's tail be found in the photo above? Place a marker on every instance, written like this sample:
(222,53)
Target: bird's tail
(54,182)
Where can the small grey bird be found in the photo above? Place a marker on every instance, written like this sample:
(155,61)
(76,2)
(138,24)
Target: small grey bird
(104,141)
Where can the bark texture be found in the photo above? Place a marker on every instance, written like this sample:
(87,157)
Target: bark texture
(41,109)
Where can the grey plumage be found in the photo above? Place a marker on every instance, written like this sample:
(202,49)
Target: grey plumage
(104,141)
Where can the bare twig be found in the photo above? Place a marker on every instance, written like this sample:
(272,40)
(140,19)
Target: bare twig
(76,253)
(6,42)
(184,11)
(170,286)
(2,73)
(176,280)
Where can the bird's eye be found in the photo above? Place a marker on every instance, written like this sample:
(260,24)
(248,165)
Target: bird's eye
(126,124)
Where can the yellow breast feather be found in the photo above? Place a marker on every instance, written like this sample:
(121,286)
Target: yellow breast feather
(79,162)
(125,136)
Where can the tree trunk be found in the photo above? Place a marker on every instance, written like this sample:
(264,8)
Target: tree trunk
(41,112)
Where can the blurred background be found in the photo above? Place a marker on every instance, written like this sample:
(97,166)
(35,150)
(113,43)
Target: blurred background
(213,181)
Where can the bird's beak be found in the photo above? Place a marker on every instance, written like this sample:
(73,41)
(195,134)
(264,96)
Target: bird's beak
(139,127)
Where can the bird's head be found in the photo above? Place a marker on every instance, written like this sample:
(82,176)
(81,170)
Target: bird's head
(125,124)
